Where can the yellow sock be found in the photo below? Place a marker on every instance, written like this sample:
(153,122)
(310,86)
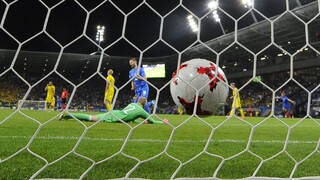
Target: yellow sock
(241,112)
(231,112)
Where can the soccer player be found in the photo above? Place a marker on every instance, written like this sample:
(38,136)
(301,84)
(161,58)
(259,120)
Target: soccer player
(109,91)
(50,88)
(236,101)
(139,84)
(286,107)
(129,114)
(181,111)
(59,102)
(64,97)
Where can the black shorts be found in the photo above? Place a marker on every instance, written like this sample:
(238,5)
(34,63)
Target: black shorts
(64,100)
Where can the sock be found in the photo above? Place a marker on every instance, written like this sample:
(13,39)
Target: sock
(241,112)
(231,112)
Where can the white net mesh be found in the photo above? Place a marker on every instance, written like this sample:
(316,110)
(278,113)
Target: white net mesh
(265,47)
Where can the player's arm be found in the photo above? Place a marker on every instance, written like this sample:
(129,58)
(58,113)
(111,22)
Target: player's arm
(146,115)
(107,85)
(143,75)
(46,88)
(132,83)
(293,102)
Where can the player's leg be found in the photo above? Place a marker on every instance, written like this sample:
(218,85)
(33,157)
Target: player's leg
(180,110)
(64,100)
(136,96)
(241,112)
(82,116)
(145,93)
(233,108)
(284,112)
(52,105)
(238,106)
(108,101)
(79,116)
(48,101)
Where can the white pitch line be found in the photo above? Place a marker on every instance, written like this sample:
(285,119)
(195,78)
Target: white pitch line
(156,140)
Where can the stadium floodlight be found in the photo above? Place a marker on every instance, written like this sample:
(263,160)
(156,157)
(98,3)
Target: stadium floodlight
(247,3)
(100,34)
(213,5)
(192,23)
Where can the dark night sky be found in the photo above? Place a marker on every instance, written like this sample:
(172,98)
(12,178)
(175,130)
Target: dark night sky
(67,21)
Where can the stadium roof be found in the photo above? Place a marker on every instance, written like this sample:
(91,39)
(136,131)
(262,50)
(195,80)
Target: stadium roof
(289,36)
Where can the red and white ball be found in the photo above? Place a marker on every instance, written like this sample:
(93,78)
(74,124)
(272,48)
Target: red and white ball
(204,77)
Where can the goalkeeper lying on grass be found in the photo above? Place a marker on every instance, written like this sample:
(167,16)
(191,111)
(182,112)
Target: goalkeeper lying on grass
(129,114)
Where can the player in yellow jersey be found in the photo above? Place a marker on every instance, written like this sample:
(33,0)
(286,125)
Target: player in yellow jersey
(109,91)
(51,89)
(181,111)
(236,101)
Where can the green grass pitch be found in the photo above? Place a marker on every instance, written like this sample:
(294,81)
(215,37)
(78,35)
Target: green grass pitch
(36,143)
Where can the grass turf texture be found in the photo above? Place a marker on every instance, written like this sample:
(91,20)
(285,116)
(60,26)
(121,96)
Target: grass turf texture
(211,146)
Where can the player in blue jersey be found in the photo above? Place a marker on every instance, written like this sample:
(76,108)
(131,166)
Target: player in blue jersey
(138,83)
(286,106)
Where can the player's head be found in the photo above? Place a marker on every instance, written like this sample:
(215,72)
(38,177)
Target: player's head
(50,82)
(133,62)
(110,72)
(64,89)
(233,85)
(142,101)
(283,93)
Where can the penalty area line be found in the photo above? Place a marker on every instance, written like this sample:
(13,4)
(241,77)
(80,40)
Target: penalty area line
(157,140)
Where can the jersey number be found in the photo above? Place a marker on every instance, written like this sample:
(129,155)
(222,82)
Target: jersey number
(129,108)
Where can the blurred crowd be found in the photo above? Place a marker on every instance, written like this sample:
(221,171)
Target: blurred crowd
(256,96)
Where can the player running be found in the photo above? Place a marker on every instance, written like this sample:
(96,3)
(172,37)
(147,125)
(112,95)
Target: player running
(109,91)
(129,114)
(139,84)
(286,107)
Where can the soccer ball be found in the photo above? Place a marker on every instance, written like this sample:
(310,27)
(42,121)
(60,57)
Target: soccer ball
(198,75)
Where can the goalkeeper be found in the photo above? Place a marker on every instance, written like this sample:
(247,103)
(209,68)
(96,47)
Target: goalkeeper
(129,114)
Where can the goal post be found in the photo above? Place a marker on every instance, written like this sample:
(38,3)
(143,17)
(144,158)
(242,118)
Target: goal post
(32,104)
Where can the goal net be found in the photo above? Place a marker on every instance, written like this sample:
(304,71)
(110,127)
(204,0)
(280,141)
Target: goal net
(264,52)
(32,105)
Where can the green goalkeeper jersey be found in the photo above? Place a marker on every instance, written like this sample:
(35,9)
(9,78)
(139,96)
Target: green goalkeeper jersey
(130,113)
